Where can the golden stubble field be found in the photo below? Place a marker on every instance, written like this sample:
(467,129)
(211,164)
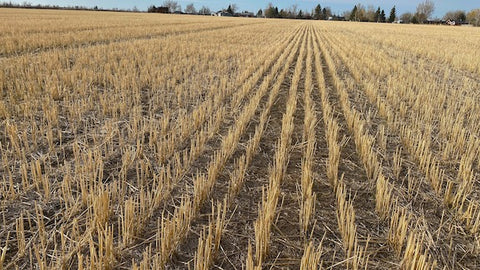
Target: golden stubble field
(151,141)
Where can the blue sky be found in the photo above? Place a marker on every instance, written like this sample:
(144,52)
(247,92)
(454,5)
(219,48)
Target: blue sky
(441,6)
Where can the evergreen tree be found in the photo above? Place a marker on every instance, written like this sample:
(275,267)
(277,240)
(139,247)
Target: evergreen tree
(376,18)
(300,14)
(317,12)
(393,15)
(270,12)
(326,13)
(383,18)
(260,13)
(229,9)
(353,14)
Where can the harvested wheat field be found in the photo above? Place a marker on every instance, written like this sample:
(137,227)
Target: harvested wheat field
(148,141)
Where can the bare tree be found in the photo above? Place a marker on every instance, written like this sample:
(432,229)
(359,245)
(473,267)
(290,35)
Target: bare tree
(370,14)
(406,17)
(172,5)
(204,10)
(473,17)
(425,10)
(457,15)
(293,11)
(190,9)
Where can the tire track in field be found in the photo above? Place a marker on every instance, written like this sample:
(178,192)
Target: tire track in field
(93,28)
(83,45)
(418,197)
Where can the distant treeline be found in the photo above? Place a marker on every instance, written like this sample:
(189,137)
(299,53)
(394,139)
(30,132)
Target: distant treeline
(39,6)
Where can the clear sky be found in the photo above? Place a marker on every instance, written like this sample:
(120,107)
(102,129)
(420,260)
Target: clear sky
(441,6)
